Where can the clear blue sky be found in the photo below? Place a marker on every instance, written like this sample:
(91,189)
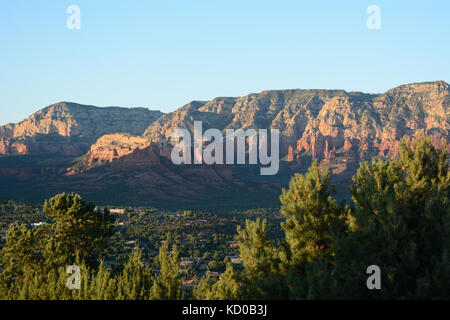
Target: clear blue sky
(163,54)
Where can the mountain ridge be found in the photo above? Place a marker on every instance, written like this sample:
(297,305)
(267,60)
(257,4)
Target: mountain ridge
(78,126)
(338,128)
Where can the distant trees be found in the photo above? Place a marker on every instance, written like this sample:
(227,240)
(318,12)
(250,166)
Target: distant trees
(35,259)
(313,218)
(227,288)
(398,221)
(78,228)
(167,285)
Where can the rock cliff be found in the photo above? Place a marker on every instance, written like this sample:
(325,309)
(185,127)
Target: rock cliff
(70,128)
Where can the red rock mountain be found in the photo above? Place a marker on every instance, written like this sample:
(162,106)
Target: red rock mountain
(119,154)
(324,121)
(70,128)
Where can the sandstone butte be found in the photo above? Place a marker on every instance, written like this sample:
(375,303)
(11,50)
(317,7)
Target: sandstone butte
(319,121)
(338,128)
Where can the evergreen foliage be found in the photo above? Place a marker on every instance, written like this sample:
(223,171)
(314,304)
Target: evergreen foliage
(398,220)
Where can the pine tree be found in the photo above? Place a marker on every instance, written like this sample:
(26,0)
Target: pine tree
(312,216)
(257,252)
(227,288)
(135,282)
(79,227)
(399,223)
(262,275)
(167,285)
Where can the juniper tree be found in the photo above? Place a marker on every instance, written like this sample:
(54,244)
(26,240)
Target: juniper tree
(400,222)
(167,285)
(227,288)
(135,282)
(261,259)
(312,216)
(79,227)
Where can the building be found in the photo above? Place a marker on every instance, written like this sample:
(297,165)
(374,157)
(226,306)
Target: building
(117,211)
(185,264)
(233,244)
(212,275)
(38,224)
(188,284)
(234,259)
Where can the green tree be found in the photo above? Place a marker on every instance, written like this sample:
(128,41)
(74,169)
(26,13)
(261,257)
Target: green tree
(78,227)
(227,288)
(261,277)
(31,253)
(400,222)
(257,252)
(135,282)
(312,217)
(29,249)
(167,285)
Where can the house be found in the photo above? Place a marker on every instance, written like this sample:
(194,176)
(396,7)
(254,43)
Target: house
(38,224)
(193,259)
(118,211)
(233,244)
(185,264)
(213,275)
(188,284)
(234,259)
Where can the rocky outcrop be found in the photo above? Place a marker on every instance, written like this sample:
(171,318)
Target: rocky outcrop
(329,153)
(311,120)
(290,157)
(326,124)
(375,124)
(72,127)
(116,146)
(287,110)
(128,150)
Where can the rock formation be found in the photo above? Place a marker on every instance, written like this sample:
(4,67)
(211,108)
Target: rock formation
(130,148)
(70,128)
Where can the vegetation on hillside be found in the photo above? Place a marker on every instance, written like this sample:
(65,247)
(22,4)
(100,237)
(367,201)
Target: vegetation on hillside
(398,221)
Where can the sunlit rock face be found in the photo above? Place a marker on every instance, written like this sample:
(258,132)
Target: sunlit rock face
(324,122)
(70,128)
(124,154)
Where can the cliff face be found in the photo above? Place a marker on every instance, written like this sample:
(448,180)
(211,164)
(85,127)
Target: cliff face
(108,148)
(324,121)
(287,110)
(374,125)
(127,150)
(320,122)
(116,146)
(70,128)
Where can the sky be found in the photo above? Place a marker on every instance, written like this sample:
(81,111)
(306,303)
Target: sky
(164,54)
